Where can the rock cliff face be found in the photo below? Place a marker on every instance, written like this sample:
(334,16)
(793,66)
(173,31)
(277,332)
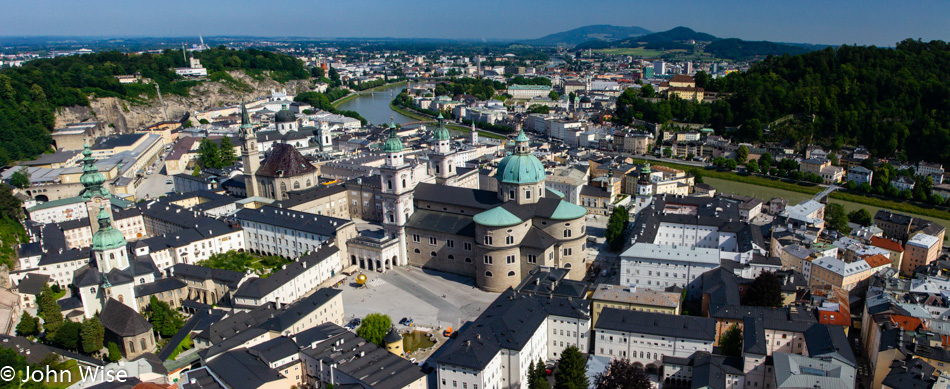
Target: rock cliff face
(120,116)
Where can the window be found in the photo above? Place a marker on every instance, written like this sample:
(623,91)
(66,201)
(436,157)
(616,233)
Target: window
(527,194)
(416,251)
(511,273)
(433,240)
(416,238)
(451,256)
(511,195)
(567,251)
(488,260)
(567,233)
(532,258)
(449,243)
(432,253)
(487,239)
(510,259)
(487,274)
(468,260)
(509,239)
(467,246)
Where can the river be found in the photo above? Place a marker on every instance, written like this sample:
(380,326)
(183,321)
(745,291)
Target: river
(375,107)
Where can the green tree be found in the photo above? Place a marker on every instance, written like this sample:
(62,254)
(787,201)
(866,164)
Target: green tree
(647,91)
(28,326)
(209,154)
(616,226)
(164,320)
(553,95)
(731,341)
(861,216)
(374,328)
(765,291)
(48,309)
(667,152)
(226,154)
(752,166)
(20,178)
(836,218)
(571,370)
(10,206)
(537,379)
(114,353)
(92,334)
(731,164)
(622,374)
(67,336)
(539,108)
(196,172)
(742,154)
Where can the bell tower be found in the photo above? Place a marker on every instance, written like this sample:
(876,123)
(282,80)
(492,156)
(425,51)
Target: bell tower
(249,153)
(94,193)
(396,193)
(442,156)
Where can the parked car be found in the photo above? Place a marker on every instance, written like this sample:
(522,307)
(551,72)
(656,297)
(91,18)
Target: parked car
(169,182)
(403,320)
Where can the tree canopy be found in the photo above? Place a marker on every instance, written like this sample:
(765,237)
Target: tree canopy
(616,225)
(374,328)
(888,99)
(622,374)
(836,218)
(765,291)
(164,319)
(571,370)
(731,341)
(861,216)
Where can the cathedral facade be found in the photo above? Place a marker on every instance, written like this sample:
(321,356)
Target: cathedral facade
(497,237)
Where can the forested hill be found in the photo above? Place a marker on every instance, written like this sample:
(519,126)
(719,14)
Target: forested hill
(30,94)
(890,100)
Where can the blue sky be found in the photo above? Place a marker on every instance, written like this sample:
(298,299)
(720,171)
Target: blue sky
(875,22)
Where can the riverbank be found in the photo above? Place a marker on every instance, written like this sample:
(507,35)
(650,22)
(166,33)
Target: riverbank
(811,190)
(421,117)
(336,103)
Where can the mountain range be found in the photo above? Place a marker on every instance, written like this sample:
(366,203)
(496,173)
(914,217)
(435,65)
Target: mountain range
(683,38)
(600,32)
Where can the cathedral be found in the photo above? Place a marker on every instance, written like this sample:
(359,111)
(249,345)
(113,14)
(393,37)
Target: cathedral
(284,169)
(496,237)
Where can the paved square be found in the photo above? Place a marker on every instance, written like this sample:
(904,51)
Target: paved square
(432,299)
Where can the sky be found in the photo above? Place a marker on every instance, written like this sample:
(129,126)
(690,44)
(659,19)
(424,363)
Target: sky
(867,22)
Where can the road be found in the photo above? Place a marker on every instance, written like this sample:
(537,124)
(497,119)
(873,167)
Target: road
(154,185)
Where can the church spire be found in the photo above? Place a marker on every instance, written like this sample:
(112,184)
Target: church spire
(91,178)
(245,118)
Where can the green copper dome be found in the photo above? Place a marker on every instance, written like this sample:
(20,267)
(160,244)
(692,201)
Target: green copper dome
(393,144)
(284,115)
(645,169)
(440,132)
(107,237)
(521,167)
(568,211)
(496,217)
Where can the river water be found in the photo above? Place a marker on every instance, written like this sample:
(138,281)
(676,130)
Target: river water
(375,107)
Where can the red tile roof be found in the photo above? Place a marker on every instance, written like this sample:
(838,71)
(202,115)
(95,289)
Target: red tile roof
(887,244)
(877,260)
(907,323)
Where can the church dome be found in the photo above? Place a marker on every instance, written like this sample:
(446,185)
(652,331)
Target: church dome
(520,169)
(440,132)
(585,99)
(392,144)
(107,237)
(285,116)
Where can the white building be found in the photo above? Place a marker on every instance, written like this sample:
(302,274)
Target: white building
(528,91)
(658,266)
(290,234)
(292,281)
(647,337)
(514,332)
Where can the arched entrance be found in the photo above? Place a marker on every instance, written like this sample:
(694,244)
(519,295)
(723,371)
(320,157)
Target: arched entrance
(41,198)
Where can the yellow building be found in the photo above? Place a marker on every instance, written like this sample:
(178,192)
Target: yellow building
(633,298)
